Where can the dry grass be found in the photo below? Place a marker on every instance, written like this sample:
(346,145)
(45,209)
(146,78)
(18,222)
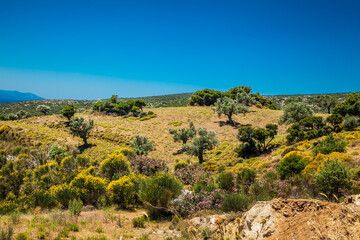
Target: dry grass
(111,133)
(113,224)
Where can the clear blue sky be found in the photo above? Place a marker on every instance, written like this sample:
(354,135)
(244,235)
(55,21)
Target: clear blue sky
(93,49)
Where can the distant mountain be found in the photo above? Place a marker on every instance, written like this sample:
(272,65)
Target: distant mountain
(15,96)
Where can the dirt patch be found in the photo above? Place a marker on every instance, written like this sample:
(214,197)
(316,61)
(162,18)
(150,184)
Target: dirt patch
(303,219)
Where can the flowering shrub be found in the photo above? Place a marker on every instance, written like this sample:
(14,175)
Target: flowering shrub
(122,192)
(115,165)
(63,194)
(90,188)
(191,174)
(148,166)
(190,202)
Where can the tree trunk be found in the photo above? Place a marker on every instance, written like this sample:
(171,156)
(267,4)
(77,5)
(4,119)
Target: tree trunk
(201,158)
(329,109)
(85,141)
(230,121)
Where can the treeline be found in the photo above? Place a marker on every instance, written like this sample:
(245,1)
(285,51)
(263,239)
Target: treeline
(207,97)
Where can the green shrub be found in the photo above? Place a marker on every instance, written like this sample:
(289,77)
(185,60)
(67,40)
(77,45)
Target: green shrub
(142,145)
(64,233)
(333,179)
(99,230)
(138,222)
(57,153)
(114,166)
(122,192)
(21,236)
(350,123)
(73,227)
(291,165)
(294,112)
(41,235)
(329,145)
(225,180)
(157,191)
(75,207)
(235,202)
(246,176)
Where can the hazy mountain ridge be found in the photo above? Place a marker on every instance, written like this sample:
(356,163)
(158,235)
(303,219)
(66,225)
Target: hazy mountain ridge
(16,96)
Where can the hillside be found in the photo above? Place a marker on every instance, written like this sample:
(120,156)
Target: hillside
(15,96)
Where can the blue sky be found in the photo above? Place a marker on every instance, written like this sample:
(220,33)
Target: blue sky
(93,49)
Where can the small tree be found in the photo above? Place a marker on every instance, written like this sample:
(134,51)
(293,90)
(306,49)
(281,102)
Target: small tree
(335,120)
(43,109)
(81,128)
(294,112)
(229,107)
(326,101)
(140,103)
(291,165)
(183,134)
(206,140)
(68,111)
(333,179)
(134,110)
(142,145)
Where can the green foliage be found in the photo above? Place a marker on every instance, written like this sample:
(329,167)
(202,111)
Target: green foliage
(308,128)
(138,222)
(122,192)
(43,109)
(204,97)
(246,177)
(113,106)
(351,106)
(21,236)
(206,140)
(245,99)
(81,128)
(335,120)
(329,145)
(142,145)
(75,207)
(291,165)
(267,103)
(255,141)
(22,114)
(235,203)
(183,134)
(73,227)
(157,191)
(114,166)
(57,153)
(68,111)
(333,179)
(294,112)
(226,181)
(350,123)
(229,107)
(326,101)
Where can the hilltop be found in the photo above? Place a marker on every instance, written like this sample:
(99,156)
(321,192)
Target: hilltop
(15,96)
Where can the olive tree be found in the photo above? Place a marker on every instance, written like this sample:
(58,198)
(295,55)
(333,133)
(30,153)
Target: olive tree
(206,140)
(68,111)
(294,112)
(183,134)
(326,101)
(43,109)
(81,128)
(229,107)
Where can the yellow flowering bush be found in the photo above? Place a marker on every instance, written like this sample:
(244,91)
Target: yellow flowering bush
(122,192)
(90,188)
(127,152)
(319,160)
(114,166)
(63,194)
